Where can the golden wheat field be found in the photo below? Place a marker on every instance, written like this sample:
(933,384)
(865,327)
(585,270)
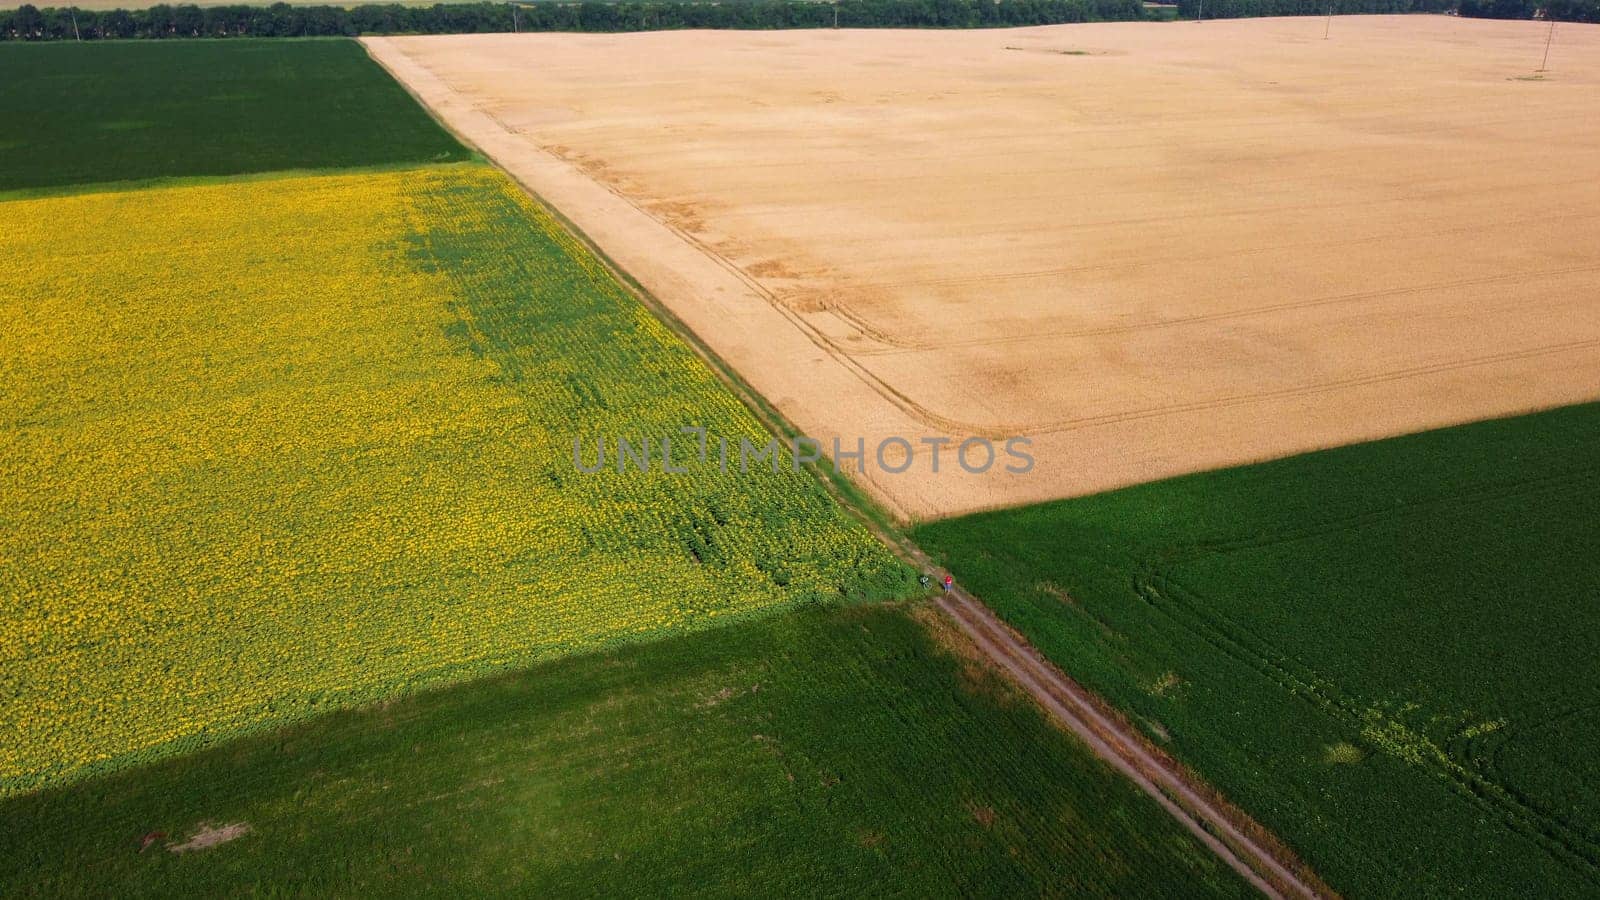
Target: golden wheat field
(278,444)
(1151,248)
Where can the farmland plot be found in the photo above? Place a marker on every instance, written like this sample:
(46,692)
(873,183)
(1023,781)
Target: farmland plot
(1384,652)
(289,443)
(135,110)
(1151,249)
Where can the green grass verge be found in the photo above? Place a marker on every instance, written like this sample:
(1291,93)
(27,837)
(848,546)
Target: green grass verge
(1385,652)
(127,110)
(837,750)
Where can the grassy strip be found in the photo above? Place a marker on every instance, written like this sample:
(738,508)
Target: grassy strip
(835,749)
(1381,651)
(132,111)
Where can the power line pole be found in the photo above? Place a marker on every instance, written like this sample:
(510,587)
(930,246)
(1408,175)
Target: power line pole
(515,29)
(1544,63)
(79,36)
(1329,25)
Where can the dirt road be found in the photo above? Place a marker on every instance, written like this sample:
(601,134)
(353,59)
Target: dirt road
(1215,824)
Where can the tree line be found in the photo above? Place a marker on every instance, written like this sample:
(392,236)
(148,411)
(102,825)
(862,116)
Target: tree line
(30,23)
(1561,10)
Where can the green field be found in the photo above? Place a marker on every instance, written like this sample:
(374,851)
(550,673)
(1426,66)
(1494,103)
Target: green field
(835,750)
(132,110)
(1385,652)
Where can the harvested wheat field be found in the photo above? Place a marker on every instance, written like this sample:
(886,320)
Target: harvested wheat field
(1150,248)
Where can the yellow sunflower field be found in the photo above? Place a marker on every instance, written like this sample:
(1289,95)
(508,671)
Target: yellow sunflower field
(279,445)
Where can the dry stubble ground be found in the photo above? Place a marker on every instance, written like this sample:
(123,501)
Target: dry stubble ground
(1152,248)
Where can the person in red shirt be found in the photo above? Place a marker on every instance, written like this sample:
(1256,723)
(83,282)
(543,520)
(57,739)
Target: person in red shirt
(947,582)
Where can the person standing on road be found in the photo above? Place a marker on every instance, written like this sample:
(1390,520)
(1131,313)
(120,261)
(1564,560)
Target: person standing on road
(948,581)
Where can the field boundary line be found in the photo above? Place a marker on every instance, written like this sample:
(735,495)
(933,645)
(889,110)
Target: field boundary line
(172,182)
(1223,829)
(1258,856)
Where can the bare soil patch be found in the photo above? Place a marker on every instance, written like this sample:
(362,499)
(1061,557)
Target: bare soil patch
(208,836)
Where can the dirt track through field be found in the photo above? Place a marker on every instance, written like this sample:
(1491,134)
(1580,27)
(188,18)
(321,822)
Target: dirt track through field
(1121,747)
(1151,248)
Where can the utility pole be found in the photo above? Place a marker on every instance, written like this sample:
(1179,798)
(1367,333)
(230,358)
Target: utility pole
(515,29)
(1201,13)
(79,36)
(1544,63)
(1329,25)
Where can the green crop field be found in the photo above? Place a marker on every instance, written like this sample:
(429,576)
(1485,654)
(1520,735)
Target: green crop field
(1385,652)
(133,110)
(836,750)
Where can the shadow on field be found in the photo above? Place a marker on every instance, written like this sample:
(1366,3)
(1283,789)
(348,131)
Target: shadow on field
(833,745)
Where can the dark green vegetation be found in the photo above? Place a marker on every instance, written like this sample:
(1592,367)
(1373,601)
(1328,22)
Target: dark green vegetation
(29,23)
(1385,652)
(836,750)
(76,114)
(1244,9)
(1560,10)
